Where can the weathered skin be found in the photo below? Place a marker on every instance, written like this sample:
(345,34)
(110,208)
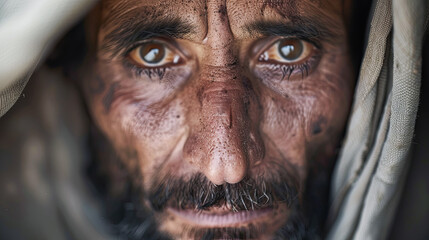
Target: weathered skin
(220,112)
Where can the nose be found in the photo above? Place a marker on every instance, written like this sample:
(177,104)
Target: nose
(222,142)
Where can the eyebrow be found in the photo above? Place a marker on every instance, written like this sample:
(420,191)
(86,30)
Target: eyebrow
(127,33)
(306,29)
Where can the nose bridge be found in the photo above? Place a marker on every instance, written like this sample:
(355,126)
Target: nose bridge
(219,141)
(222,113)
(222,126)
(222,97)
(219,35)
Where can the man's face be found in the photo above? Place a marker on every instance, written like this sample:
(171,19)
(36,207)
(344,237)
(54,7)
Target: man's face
(219,109)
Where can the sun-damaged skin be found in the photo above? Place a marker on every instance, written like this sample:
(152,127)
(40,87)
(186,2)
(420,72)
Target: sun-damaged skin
(220,111)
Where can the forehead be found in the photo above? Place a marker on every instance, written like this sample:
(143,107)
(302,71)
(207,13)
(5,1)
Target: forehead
(240,13)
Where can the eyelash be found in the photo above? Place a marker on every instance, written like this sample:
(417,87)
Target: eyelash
(149,72)
(288,69)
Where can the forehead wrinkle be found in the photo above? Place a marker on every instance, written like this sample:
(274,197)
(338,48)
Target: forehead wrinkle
(286,8)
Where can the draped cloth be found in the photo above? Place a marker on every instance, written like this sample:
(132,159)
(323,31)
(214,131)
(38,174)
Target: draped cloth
(372,165)
(28,29)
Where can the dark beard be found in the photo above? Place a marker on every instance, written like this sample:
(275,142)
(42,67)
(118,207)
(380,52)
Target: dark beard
(131,219)
(199,193)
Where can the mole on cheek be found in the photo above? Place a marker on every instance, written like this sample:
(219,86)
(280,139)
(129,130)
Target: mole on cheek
(318,125)
(108,98)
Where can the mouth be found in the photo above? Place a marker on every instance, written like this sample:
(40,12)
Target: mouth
(254,208)
(221,216)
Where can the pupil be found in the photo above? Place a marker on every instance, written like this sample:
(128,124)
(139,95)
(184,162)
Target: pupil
(152,52)
(290,49)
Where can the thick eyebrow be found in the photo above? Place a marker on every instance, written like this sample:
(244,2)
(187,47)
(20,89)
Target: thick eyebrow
(126,34)
(305,29)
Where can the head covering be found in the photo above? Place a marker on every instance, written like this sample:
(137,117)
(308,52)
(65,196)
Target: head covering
(28,30)
(371,169)
(372,165)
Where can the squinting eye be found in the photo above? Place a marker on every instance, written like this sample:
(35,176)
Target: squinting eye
(289,50)
(153,54)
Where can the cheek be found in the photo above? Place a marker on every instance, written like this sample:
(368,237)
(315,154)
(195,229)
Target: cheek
(152,132)
(151,127)
(307,116)
(136,116)
(137,103)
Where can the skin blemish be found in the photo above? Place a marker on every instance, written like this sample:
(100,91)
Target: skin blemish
(222,10)
(97,86)
(317,126)
(108,98)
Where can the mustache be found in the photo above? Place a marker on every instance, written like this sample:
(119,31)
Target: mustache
(197,192)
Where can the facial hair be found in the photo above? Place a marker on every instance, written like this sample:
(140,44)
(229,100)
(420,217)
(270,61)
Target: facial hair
(130,218)
(197,192)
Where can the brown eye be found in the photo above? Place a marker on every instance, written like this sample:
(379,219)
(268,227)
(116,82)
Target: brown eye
(153,54)
(289,50)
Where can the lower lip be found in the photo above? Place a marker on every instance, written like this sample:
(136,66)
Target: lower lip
(224,219)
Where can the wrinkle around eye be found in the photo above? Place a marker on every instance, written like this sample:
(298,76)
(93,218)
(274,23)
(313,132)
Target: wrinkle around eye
(276,73)
(137,87)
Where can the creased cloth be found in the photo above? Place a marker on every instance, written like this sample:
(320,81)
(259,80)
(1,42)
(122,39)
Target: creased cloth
(28,29)
(372,165)
(371,169)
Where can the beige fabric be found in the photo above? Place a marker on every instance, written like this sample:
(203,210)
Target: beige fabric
(372,165)
(27,29)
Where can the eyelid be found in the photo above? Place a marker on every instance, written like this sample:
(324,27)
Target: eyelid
(270,43)
(262,44)
(169,45)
